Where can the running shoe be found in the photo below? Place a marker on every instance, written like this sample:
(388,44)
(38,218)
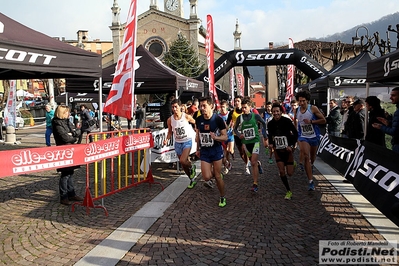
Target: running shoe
(254,188)
(192,184)
(270,161)
(225,171)
(247,170)
(229,166)
(311,186)
(260,167)
(288,195)
(192,171)
(209,184)
(295,164)
(222,202)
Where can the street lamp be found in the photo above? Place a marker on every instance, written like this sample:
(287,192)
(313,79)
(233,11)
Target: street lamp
(357,38)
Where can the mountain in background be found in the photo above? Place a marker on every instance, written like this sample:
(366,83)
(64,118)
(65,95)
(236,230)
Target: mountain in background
(380,26)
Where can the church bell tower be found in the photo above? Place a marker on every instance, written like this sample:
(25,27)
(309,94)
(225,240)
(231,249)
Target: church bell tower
(174,7)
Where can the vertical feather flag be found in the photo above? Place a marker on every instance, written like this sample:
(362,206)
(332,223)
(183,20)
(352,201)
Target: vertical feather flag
(120,99)
(209,46)
(290,77)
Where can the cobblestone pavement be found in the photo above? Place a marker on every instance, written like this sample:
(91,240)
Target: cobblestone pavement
(253,229)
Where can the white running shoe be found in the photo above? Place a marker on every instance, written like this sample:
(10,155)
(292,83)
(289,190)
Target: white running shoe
(209,184)
(247,170)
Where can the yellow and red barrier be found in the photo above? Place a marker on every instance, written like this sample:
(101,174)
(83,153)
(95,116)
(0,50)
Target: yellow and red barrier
(117,158)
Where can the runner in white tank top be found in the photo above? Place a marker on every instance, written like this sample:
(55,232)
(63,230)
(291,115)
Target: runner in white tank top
(179,127)
(308,117)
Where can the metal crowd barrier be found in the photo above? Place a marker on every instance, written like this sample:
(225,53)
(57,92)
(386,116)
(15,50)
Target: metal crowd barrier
(108,176)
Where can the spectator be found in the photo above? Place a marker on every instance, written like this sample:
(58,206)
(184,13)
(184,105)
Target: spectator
(391,127)
(354,126)
(374,135)
(140,116)
(193,107)
(345,115)
(88,123)
(166,110)
(334,119)
(49,127)
(64,134)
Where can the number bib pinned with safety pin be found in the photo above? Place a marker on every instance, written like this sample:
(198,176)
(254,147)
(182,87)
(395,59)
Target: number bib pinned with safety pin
(307,130)
(249,133)
(280,142)
(206,140)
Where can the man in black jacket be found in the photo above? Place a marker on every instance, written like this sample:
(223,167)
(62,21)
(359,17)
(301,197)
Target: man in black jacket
(355,122)
(334,119)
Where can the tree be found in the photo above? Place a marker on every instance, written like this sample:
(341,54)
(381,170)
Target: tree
(182,58)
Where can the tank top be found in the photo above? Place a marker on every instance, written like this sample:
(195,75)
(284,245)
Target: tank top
(249,129)
(181,129)
(307,131)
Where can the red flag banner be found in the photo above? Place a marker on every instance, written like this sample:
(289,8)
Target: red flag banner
(211,60)
(290,77)
(120,98)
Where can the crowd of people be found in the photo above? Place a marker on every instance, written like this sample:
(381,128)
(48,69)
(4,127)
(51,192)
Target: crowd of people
(280,129)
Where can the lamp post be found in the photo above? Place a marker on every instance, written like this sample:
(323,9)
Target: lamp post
(357,38)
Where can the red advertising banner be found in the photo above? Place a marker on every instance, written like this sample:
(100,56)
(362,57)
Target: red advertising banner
(22,161)
(120,98)
(240,84)
(209,46)
(290,77)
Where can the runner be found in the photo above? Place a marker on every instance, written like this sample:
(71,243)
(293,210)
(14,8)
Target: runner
(248,132)
(232,119)
(178,124)
(308,117)
(267,116)
(228,146)
(211,132)
(283,137)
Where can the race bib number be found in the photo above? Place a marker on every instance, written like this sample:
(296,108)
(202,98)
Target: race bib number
(206,140)
(281,142)
(249,133)
(307,129)
(180,133)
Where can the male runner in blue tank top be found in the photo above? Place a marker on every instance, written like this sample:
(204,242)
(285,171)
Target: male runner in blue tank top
(211,132)
(308,118)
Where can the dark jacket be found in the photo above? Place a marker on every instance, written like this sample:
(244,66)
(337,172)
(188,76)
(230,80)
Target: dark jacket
(64,133)
(334,120)
(393,129)
(375,135)
(86,117)
(355,125)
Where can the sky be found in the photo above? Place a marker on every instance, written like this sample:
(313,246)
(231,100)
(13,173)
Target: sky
(260,21)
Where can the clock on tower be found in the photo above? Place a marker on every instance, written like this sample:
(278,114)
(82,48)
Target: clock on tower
(174,7)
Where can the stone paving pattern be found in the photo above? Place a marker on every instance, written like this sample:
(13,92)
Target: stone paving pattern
(253,229)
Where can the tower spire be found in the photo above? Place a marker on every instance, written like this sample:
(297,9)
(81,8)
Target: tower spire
(237,37)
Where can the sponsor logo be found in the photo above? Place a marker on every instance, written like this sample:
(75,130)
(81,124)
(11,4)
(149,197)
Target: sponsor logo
(390,66)
(340,152)
(28,160)
(379,174)
(261,56)
(190,84)
(338,81)
(101,149)
(24,56)
(137,142)
(309,64)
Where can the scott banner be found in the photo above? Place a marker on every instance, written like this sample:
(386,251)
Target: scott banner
(375,173)
(337,152)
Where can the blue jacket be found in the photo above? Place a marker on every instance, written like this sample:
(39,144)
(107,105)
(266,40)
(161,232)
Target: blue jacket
(393,129)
